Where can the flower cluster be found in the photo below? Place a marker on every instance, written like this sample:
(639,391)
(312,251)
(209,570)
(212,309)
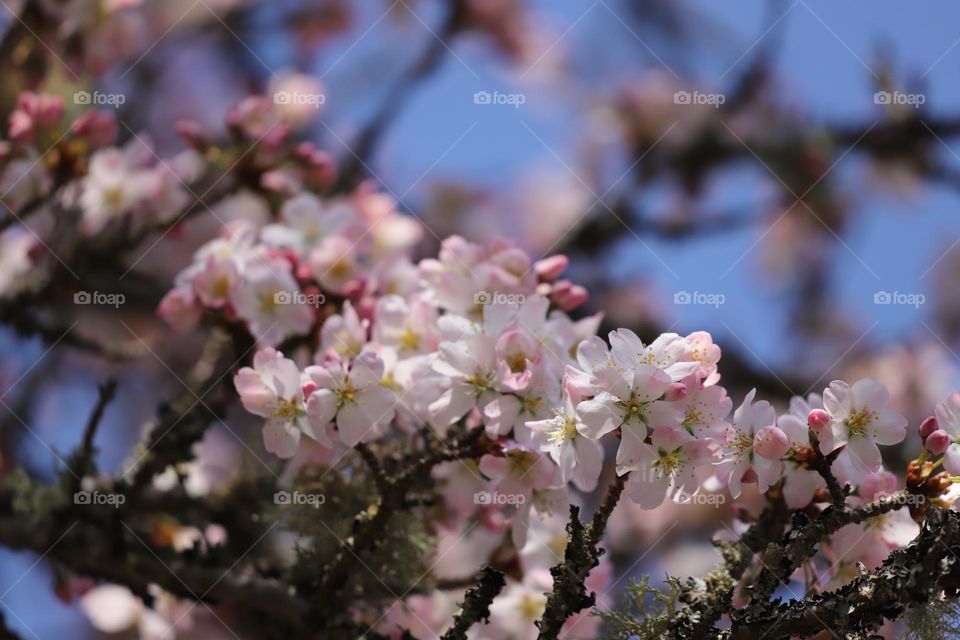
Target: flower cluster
(480,337)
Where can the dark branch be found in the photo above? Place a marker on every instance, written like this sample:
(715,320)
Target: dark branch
(476,603)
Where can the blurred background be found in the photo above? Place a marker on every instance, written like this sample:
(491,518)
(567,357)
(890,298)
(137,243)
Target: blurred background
(784,175)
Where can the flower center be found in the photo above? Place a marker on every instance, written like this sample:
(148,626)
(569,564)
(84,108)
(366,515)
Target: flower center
(693,417)
(409,341)
(346,394)
(530,607)
(480,382)
(667,463)
(289,410)
(858,421)
(517,362)
(566,430)
(633,409)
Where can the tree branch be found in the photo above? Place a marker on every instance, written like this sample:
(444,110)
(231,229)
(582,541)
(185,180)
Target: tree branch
(476,603)
(580,557)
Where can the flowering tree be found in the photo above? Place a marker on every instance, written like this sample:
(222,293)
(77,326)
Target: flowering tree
(444,429)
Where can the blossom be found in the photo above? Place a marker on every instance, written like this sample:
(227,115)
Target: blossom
(580,458)
(633,405)
(468,366)
(353,394)
(114,609)
(112,187)
(800,483)
(737,447)
(410,327)
(514,612)
(272,389)
(345,333)
(704,408)
(860,421)
(265,298)
(519,471)
(666,467)
(948,420)
(669,353)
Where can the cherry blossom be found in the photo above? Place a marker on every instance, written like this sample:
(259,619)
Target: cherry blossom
(633,404)
(579,458)
(948,421)
(352,394)
(860,421)
(739,459)
(272,389)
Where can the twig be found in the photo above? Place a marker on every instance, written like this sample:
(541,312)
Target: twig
(781,560)
(83,460)
(908,577)
(580,557)
(476,603)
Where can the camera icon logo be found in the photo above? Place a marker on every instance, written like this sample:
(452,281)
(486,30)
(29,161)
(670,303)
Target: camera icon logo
(282,97)
(281,497)
(82,297)
(482,297)
(82,97)
(682,297)
(482,97)
(882,97)
(81,497)
(682,97)
(482,498)
(882,297)
(282,297)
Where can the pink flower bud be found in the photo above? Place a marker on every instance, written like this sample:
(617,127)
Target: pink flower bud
(937,442)
(309,387)
(569,296)
(676,391)
(928,426)
(550,268)
(771,442)
(192,132)
(818,419)
(21,126)
(99,127)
